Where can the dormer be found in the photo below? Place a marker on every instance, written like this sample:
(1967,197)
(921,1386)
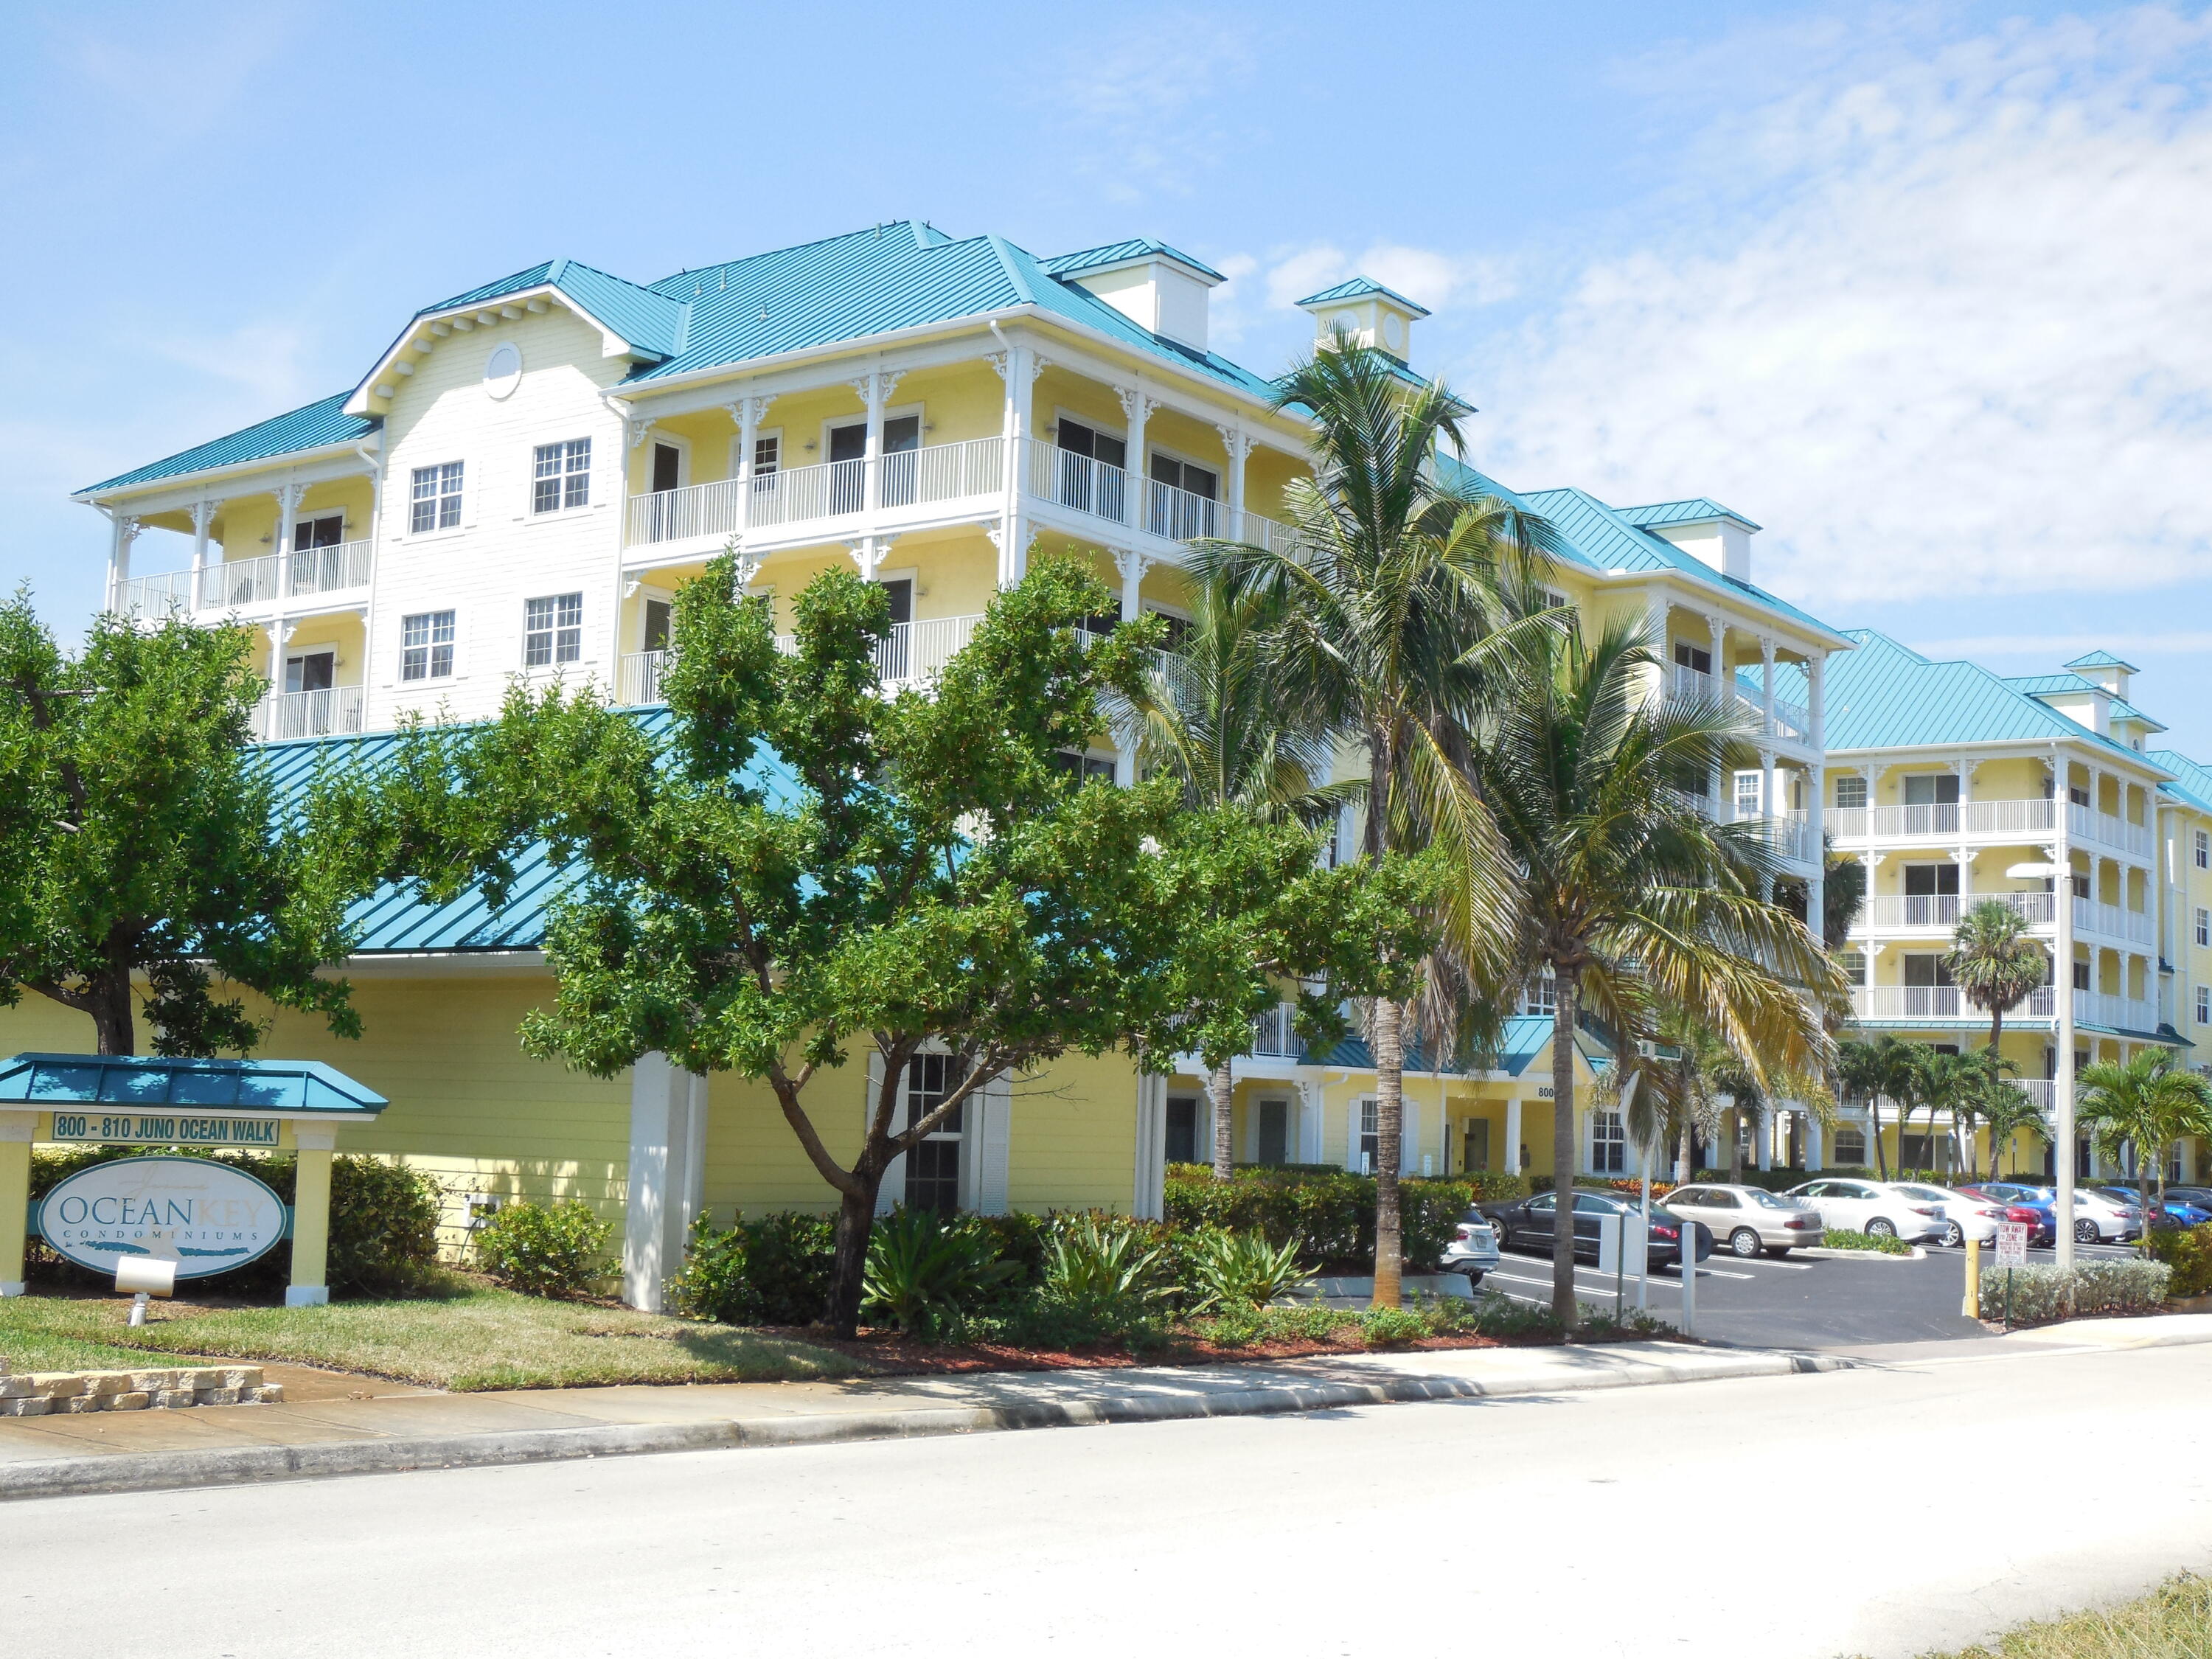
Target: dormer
(1363,311)
(1705,530)
(1147,282)
(2105,670)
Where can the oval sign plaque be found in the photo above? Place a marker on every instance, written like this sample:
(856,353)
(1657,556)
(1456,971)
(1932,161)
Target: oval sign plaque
(206,1217)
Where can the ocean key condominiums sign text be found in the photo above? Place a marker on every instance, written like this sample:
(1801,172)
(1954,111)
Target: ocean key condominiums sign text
(204,1216)
(165,1129)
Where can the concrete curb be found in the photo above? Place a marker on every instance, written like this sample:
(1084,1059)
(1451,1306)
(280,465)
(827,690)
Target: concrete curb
(240,1465)
(1822,1253)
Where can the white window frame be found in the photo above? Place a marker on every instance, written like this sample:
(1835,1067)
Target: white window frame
(1617,1142)
(591,460)
(556,663)
(1864,792)
(2204,849)
(453,671)
(320,648)
(760,435)
(675,440)
(1360,1160)
(461,499)
(2204,1005)
(1736,786)
(891,412)
(1218,469)
(323,513)
(2203,927)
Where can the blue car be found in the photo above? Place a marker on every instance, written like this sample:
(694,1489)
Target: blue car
(2178,1211)
(2041,1199)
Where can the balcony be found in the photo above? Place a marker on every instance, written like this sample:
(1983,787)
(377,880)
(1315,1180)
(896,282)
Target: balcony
(1906,912)
(2118,1012)
(312,573)
(1274,1034)
(1876,1004)
(285,715)
(1985,820)
(2111,921)
(1792,722)
(914,653)
(1063,478)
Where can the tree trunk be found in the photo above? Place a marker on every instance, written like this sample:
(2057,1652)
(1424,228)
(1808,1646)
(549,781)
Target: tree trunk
(1225,1153)
(1389,1126)
(1736,1144)
(108,1002)
(1563,1148)
(1880,1157)
(856,1217)
(2142,1192)
(1683,1171)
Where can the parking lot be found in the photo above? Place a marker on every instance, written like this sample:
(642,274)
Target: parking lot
(1793,1303)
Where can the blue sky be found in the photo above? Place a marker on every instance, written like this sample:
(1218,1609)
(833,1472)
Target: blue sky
(1925,290)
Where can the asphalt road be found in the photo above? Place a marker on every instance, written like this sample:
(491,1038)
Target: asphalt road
(1796,1304)
(1789,1518)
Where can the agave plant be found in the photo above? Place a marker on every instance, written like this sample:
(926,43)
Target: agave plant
(1244,1270)
(923,1270)
(1088,1260)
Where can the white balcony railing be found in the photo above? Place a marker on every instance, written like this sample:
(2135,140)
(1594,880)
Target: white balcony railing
(1885,912)
(1792,722)
(1941,820)
(306,573)
(2112,921)
(2124,1013)
(918,651)
(831,489)
(1274,1034)
(1066,479)
(1887,1002)
(637,679)
(331,712)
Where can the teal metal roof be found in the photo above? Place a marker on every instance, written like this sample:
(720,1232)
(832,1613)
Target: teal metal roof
(1525,1037)
(648,319)
(1359,288)
(1600,538)
(48,1081)
(1115,253)
(317,426)
(1886,695)
(2063,685)
(2101,659)
(1698,509)
(2192,783)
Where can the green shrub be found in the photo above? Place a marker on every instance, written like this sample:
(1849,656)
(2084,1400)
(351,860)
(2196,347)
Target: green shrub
(544,1249)
(772,1270)
(1848,1238)
(384,1219)
(1093,1259)
(923,1270)
(2038,1294)
(1781,1181)
(1241,1270)
(2188,1252)
(1331,1211)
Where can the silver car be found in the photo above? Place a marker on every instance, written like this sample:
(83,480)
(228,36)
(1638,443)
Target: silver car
(1473,1247)
(1749,1220)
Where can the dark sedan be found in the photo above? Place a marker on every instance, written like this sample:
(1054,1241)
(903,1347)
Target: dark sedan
(1526,1224)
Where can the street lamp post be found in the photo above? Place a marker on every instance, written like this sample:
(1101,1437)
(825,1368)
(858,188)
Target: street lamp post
(2061,871)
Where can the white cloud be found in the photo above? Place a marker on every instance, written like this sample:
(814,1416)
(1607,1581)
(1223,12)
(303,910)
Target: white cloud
(1260,289)
(1935,312)
(1151,119)
(2061,647)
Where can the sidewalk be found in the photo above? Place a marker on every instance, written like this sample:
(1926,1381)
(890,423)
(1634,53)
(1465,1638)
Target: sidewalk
(342,1425)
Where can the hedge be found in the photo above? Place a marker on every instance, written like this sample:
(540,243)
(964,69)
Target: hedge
(2188,1252)
(384,1219)
(2037,1295)
(1330,1211)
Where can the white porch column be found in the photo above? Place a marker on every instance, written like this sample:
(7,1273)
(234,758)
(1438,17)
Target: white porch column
(1132,565)
(1239,444)
(1716,654)
(289,497)
(748,413)
(204,513)
(1136,492)
(875,389)
(1149,1201)
(1768,808)
(667,1176)
(1816,790)
(1816,1150)
(1018,366)
(1766,1123)
(1513,1135)
(123,531)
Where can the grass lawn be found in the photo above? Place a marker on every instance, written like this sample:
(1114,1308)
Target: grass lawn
(475,1338)
(2172,1622)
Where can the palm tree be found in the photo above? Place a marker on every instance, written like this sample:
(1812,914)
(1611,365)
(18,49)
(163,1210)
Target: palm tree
(1217,720)
(1633,897)
(1886,1067)
(2147,1102)
(1953,1083)
(1395,625)
(2005,1111)
(1996,962)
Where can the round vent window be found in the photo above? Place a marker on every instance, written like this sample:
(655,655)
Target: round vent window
(502,370)
(1394,331)
(1347,322)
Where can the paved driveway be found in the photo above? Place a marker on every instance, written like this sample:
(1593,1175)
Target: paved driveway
(1796,1304)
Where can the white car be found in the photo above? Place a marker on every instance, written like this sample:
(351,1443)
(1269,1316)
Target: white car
(2114,1222)
(1879,1207)
(1473,1247)
(1965,1216)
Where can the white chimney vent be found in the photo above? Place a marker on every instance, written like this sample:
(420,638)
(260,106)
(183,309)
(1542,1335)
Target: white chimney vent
(1147,282)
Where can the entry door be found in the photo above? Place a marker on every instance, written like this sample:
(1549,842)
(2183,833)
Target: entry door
(1274,1131)
(1475,1152)
(311,671)
(667,468)
(1182,1130)
(901,438)
(324,532)
(848,451)
(1926,888)
(662,522)
(895,656)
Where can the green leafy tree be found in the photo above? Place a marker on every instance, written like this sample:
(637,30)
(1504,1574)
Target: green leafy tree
(2143,1104)
(1996,962)
(149,868)
(1397,625)
(1217,720)
(793,866)
(1633,898)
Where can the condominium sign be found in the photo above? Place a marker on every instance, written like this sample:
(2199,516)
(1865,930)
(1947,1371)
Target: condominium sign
(207,1216)
(164,1130)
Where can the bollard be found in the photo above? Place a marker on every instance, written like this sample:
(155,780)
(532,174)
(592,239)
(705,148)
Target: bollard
(1972,1307)
(1689,1258)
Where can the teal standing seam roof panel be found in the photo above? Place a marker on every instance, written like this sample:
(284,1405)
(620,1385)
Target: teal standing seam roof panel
(316,426)
(1115,253)
(2101,659)
(2192,784)
(52,1081)
(1360,288)
(1698,509)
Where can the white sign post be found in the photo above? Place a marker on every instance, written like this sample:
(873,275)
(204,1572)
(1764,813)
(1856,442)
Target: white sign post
(2012,1252)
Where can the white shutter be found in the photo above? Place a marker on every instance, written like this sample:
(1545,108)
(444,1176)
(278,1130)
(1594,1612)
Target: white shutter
(894,1185)
(1409,1140)
(1310,1128)
(1353,1110)
(997,1103)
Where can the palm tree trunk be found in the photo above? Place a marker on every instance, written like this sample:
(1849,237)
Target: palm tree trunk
(1216,1091)
(1682,1171)
(1563,1149)
(1389,1126)
(1880,1157)
(1735,1146)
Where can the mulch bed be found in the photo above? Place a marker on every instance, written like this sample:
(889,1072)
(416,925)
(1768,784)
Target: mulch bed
(892,1354)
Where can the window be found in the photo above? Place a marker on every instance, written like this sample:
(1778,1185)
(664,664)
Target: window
(1927,970)
(1747,795)
(767,456)
(2203,926)
(425,646)
(1689,656)
(1084,768)
(309,671)
(1850,1145)
(1932,789)
(657,614)
(2204,1005)
(1541,994)
(328,530)
(1182,1130)
(2204,849)
(563,475)
(1370,1135)
(1475,1145)
(1854,964)
(2080,975)
(552,630)
(933,1168)
(1185,504)
(435,502)
(1608,1143)
(1850,791)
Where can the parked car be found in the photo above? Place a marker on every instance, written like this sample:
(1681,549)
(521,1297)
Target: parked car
(1965,1216)
(2096,1219)
(1473,1247)
(2174,1213)
(1879,1207)
(1748,1219)
(1527,1224)
(2041,1220)
(2201,1197)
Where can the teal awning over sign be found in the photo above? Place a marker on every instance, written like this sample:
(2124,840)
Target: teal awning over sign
(51,1081)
